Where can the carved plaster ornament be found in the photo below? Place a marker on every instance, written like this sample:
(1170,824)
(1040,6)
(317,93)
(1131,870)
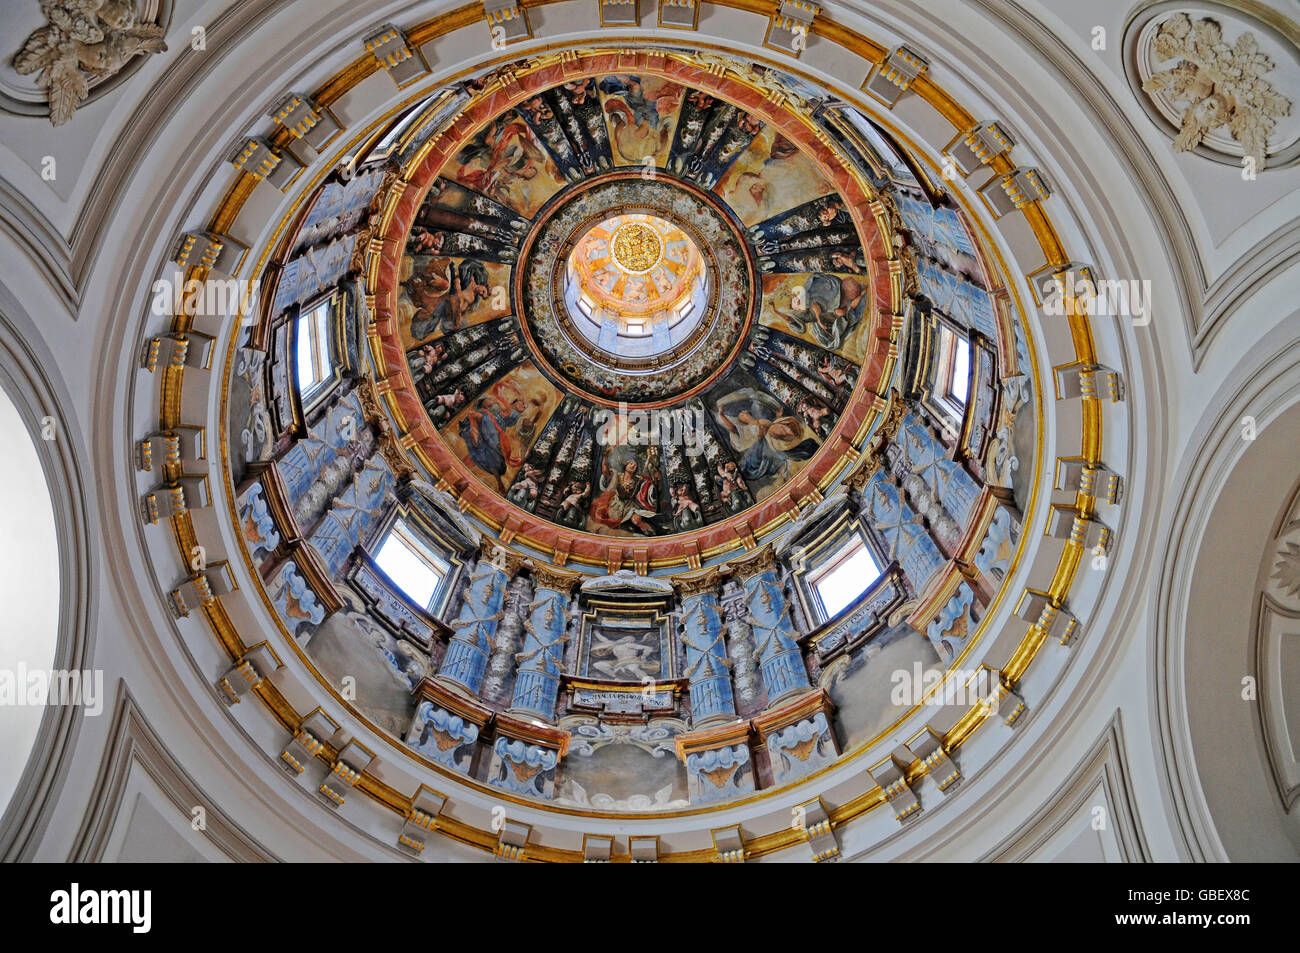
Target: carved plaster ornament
(1286,571)
(84,41)
(1221,85)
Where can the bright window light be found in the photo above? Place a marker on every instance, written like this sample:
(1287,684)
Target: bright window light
(313,349)
(845,576)
(960,370)
(951,376)
(410,565)
(636,329)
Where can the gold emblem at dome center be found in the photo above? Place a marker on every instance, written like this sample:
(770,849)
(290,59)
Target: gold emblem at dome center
(637,248)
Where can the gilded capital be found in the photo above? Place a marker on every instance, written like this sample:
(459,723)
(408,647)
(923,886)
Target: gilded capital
(695,585)
(758,562)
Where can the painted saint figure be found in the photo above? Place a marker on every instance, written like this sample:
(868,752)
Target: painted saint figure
(630,496)
(486,432)
(766,438)
(833,309)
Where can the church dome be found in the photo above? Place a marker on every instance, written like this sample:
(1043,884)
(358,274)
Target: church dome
(712,431)
(665,399)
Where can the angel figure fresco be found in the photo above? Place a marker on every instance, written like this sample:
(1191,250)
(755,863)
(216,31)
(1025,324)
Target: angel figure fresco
(443,304)
(814,413)
(84,40)
(832,373)
(637,121)
(732,489)
(630,495)
(767,439)
(445,406)
(579,90)
(509,157)
(832,212)
(625,659)
(636,291)
(538,108)
(833,309)
(524,489)
(424,360)
(607,277)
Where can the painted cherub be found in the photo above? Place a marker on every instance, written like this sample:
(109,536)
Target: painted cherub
(444,406)
(813,412)
(524,489)
(430,356)
(831,373)
(731,487)
(573,506)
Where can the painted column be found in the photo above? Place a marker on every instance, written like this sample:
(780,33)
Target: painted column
(526,753)
(740,640)
(481,611)
(780,663)
(716,751)
(702,634)
(537,682)
(505,645)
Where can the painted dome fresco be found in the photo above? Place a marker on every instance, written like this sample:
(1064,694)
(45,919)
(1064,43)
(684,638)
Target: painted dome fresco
(602,262)
(612,411)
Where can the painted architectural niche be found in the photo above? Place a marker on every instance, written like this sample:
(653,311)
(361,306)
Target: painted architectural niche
(1223,85)
(85,44)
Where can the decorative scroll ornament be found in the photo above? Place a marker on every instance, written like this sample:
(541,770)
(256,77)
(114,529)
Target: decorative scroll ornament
(85,41)
(1221,84)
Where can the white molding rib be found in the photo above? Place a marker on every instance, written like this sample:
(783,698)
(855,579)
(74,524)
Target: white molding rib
(1103,770)
(133,742)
